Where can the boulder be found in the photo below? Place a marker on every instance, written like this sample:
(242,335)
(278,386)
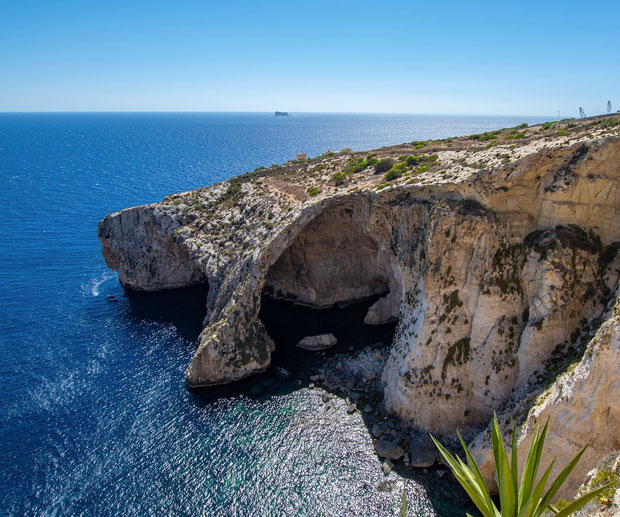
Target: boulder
(387,449)
(320,342)
(422,451)
(379,429)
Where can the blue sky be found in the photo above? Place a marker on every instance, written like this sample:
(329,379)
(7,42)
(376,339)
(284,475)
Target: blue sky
(522,58)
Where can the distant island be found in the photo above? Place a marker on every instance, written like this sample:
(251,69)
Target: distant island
(282,114)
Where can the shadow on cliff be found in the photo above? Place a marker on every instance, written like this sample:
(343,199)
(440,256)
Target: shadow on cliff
(287,323)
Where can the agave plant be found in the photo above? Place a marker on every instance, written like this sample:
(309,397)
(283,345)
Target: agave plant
(525,499)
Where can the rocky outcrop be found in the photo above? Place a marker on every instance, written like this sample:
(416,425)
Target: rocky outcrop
(139,244)
(498,261)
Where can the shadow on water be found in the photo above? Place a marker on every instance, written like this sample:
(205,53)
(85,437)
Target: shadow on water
(287,323)
(184,308)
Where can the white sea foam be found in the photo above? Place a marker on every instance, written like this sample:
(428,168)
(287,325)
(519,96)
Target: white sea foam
(92,288)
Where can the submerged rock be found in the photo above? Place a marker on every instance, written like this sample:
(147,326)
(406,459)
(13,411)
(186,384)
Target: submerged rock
(320,342)
(282,373)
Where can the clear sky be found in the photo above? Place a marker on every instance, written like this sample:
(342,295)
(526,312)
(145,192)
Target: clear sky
(502,57)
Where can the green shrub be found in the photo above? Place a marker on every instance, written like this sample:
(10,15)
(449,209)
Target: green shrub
(562,133)
(412,160)
(396,172)
(548,125)
(339,178)
(314,191)
(418,144)
(424,169)
(525,499)
(383,165)
(485,136)
(522,126)
(431,158)
(233,193)
(355,165)
(515,135)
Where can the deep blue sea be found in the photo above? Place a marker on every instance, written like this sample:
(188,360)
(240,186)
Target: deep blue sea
(95,418)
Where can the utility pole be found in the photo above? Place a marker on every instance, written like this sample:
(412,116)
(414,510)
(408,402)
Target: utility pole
(582,114)
(558,114)
(608,106)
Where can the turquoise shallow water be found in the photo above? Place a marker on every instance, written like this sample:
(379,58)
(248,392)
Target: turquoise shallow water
(94,415)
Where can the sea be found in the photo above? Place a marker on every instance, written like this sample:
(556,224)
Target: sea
(95,417)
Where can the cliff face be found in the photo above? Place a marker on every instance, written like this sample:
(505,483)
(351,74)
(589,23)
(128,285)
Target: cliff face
(582,406)
(497,260)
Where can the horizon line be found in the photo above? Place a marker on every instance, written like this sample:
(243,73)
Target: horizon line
(270,111)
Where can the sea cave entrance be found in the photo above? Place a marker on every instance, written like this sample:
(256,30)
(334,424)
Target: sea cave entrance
(338,276)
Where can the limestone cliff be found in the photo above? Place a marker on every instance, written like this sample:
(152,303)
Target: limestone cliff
(495,253)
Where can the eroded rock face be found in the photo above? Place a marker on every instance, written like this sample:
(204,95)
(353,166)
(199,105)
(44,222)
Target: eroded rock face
(138,244)
(582,407)
(495,274)
(480,332)
(335,259)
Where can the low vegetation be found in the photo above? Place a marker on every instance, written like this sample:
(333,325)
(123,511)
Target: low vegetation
(486,136)
(355,165)
(396,171)
(384,165)
(339,178)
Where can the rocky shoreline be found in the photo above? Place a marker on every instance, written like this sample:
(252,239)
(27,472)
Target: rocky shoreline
(356,377)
